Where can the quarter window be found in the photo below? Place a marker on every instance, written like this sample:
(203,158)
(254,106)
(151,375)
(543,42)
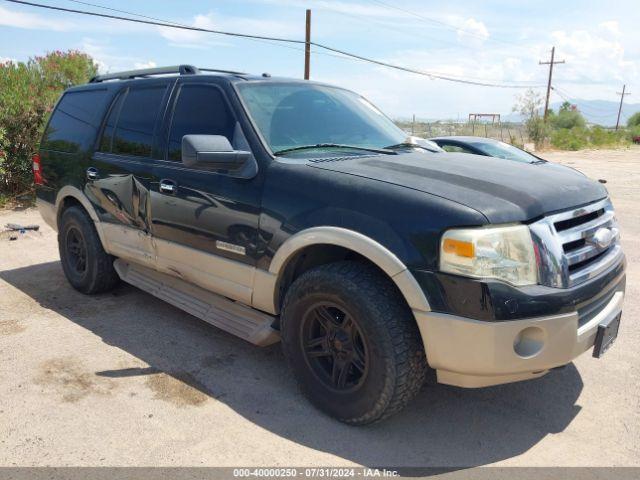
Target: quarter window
(200,109)
(74,124)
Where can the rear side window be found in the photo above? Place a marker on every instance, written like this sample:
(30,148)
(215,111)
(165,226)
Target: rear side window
(75,121)
(130,126)
(200,109)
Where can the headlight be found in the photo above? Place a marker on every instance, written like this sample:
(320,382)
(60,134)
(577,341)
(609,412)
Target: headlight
(504,253)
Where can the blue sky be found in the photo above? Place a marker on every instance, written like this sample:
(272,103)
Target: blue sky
(496,41)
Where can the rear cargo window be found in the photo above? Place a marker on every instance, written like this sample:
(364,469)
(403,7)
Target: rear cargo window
(75,121)
(136,122)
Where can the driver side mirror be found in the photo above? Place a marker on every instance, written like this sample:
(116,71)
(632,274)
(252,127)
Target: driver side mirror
(212,152)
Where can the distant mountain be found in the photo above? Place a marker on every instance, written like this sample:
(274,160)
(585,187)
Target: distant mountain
(600,112)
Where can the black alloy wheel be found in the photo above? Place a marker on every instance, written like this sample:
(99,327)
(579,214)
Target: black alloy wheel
(334,347)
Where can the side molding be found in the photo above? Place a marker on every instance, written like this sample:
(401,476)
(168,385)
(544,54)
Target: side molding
(266,283)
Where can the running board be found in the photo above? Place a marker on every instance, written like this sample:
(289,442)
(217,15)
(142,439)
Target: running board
(233,317)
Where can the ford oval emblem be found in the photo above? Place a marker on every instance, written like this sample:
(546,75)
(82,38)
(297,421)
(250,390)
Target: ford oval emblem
(602,238)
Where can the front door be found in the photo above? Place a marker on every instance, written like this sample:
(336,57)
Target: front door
(204,224)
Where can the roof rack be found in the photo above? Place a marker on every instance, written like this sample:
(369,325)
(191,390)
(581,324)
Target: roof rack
(147,72)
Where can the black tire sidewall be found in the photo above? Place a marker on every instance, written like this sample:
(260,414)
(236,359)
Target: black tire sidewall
(375,392)
(75,218)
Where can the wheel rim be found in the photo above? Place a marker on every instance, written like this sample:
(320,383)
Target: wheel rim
(76,251)
(334,347)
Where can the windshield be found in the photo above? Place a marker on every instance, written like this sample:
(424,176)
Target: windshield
(291,115)
(504,150)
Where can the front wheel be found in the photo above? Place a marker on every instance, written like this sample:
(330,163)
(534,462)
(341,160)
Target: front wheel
(352,342)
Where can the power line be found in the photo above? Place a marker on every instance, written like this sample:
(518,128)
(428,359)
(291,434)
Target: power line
(275,39)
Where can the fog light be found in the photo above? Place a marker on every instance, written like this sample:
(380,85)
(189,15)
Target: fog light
(529,342)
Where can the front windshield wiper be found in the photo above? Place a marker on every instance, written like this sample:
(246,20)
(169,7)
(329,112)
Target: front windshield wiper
(398,146)
(333,145)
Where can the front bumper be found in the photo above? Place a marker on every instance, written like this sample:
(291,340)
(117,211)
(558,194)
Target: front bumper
(473,353)
(480,334)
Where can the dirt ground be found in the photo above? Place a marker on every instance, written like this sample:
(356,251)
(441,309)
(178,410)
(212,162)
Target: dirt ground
(125,379)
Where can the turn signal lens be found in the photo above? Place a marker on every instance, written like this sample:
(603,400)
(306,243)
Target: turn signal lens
(457,247)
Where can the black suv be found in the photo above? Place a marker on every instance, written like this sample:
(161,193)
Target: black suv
(280,209)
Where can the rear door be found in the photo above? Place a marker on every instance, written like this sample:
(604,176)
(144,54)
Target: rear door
(205,224)
(120,171)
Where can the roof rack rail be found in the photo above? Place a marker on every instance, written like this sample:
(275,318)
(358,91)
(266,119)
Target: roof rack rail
(145,72)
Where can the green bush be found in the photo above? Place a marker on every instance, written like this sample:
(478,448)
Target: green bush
(569,139)
(567,119)
(634,120)
(537,130)
(28,92)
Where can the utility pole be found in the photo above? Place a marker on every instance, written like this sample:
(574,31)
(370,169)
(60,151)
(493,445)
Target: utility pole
(551,64)
(307,46)
(622,94)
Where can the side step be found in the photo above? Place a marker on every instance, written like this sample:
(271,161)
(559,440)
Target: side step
(233,317)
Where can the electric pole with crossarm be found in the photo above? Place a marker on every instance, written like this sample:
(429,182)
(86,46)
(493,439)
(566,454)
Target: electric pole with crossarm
(622,95)
(551,64)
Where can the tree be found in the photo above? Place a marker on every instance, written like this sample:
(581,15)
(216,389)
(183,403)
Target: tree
(634,120)
(528,105)
(28,91)
(568,118)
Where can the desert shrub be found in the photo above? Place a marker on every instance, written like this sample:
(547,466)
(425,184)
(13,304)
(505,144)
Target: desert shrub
(28,91)
(567,118)
(634,120)
(569,139)
(537,130)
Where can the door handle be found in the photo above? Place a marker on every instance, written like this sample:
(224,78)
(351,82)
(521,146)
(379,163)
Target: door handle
(168,186)
(92,173)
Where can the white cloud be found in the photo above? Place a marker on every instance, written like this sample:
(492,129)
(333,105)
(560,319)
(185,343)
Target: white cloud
(8,60)
(472,31)
(13,18)
(612,27)
(592,57)
(109,60)
(149,64)
(211,21)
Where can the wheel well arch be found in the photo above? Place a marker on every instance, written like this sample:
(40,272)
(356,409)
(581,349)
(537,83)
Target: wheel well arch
(69,196)
(320,245)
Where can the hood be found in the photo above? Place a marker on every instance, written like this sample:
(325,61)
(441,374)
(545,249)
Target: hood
(502,190)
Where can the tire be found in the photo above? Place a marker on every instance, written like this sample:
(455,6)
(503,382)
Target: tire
(349,317)
(88,268)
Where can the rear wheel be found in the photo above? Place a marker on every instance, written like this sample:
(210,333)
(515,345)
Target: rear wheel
(352,342)
(86,265)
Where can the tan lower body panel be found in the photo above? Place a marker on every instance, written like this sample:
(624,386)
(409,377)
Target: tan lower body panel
(471,353)
(233,317)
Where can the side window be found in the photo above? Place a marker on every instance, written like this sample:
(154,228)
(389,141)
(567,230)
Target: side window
(133,132)
(75,122)
(200,109)
(455,148)
(110,124)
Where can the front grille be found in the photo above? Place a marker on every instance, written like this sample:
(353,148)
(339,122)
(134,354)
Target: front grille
(577,245)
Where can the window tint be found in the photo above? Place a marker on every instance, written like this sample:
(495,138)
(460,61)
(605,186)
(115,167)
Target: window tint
(455,148)
(136,122)
(110,124)
(200,109)
(75,121)
(504,150)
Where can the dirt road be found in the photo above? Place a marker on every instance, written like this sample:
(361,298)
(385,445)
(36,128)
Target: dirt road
(125,379)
